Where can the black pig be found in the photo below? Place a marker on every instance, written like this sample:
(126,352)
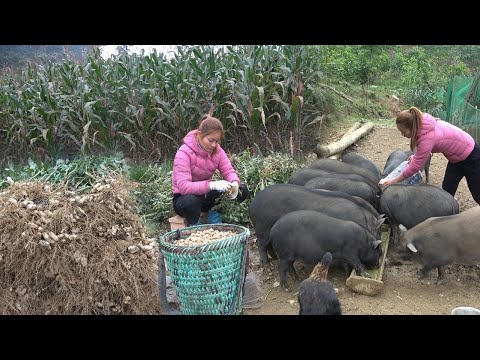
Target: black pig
(308,235)
(357,159)
(276,200)
(410,205)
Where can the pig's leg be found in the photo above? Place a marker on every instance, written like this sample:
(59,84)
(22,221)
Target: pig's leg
(272,252)
(441,276)
(395,234)
(283,266)
(262,249)
(293,272)
(395,251)
(427,169)
(424,272)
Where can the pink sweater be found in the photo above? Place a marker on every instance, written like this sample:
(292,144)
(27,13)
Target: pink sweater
(194,167)
(438,136)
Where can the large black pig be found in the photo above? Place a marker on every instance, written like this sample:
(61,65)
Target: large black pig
(357,159)
(302,176)
(351,187)
(276,200)
(410,205)
(308,235)
(357,200)
(344,168)
(440,241)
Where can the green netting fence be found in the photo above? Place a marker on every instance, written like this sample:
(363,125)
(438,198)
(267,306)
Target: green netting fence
(462,104)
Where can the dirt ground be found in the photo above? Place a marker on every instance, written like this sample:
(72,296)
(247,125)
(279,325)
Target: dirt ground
(403,293)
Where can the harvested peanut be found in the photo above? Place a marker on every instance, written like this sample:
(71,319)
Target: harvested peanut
(203,237)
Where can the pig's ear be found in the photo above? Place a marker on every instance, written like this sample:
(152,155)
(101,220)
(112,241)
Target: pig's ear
(376,243)
(402,228)
(412,247)
(380,222)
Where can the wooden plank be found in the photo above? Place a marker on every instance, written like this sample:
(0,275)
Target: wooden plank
(371,286)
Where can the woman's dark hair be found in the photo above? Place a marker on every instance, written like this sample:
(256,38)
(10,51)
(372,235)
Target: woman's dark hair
(209,124)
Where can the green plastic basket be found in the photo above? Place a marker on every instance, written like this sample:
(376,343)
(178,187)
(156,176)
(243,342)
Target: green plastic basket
(208,278)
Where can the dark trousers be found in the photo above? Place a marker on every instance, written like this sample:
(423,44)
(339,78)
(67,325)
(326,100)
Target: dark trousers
(470,168)
(190,206)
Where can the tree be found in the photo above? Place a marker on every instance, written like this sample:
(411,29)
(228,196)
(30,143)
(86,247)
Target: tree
(18,55)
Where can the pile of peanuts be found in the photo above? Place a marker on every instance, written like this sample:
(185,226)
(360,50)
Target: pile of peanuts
(203,237)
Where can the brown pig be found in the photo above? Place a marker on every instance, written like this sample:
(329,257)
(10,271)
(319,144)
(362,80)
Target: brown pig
(443,240)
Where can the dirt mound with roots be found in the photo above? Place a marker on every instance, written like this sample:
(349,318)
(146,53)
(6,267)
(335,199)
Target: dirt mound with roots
(62,252)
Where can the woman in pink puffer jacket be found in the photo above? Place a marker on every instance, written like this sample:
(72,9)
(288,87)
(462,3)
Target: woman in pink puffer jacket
(430,135)
(195,162)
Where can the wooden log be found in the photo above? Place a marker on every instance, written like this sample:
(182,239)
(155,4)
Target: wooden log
(342,144)
(337,92)
(354,127)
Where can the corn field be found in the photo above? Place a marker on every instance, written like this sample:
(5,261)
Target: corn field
(143,105)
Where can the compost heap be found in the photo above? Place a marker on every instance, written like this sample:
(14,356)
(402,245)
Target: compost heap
(62,252)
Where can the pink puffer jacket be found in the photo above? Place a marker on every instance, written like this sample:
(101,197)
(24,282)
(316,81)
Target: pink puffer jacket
(438,136)
(194,167)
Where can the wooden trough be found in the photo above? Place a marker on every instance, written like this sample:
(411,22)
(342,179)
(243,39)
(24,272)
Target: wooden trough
(371,286)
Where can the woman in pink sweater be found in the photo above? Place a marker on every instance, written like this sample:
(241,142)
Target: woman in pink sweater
(193,167)
(430,135)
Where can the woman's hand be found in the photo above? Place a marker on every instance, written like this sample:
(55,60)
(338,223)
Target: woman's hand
(233,192)
(384,183)
(220,185)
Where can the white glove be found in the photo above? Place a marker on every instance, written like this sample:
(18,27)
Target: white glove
(220,185)
(232,194)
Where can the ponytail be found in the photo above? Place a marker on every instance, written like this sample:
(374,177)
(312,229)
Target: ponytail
(411,119)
